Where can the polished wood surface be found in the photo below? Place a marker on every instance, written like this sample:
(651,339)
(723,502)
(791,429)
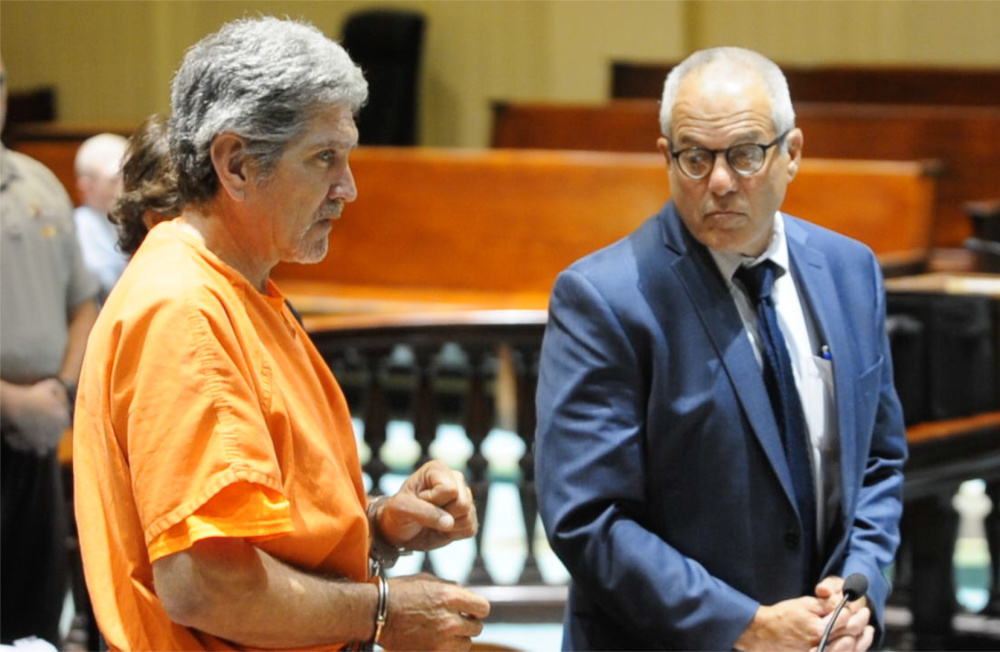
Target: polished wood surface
(482,220)
(964,283)
(963,139)
(954,428)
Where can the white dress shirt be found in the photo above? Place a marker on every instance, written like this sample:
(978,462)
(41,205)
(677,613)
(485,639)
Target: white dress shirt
(812,365)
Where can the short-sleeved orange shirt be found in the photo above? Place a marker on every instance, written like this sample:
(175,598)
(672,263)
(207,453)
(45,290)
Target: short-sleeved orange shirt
(204,410)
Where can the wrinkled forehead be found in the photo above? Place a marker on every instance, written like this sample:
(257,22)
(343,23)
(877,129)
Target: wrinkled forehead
(330,125)
(723,97)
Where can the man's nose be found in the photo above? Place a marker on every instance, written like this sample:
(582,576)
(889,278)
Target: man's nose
(344,188)
(722,179)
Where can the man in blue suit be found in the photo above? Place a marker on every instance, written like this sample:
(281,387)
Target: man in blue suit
(670,479)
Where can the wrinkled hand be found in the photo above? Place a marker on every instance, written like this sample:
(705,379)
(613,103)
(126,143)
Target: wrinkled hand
(852,632)
(38,415)
(433,508)
(426,613)
(795,624)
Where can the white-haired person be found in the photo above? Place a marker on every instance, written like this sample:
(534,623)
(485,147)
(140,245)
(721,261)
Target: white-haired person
(219,492)
(99,181)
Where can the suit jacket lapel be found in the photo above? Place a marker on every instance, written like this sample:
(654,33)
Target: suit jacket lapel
(822,298)
(697,272)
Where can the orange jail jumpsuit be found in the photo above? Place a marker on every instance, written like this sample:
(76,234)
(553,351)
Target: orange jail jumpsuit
(204,410)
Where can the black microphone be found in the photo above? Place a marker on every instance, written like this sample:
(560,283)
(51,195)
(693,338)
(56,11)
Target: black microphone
(855,587)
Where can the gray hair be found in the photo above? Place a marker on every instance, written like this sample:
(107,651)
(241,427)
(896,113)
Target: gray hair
(262,79)
(782,113)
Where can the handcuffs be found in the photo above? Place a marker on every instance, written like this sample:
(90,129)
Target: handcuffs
(381,556)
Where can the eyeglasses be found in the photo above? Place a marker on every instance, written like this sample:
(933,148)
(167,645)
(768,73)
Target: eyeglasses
(745,159)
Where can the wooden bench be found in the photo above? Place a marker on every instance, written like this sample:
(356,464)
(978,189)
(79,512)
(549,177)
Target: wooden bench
(855,84)
(492,229)
(961,139)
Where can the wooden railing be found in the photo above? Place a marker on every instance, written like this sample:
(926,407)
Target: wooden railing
(471,367)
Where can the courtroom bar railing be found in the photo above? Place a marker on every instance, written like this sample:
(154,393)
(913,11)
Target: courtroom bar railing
(473,368)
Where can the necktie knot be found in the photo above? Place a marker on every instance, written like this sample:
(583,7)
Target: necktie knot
(759,279)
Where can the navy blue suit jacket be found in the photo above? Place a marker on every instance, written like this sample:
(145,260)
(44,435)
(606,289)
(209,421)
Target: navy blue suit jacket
(661,478)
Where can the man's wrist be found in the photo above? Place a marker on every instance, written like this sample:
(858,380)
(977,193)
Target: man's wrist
(381,608)
(382,553)
(749,639)
(69,386)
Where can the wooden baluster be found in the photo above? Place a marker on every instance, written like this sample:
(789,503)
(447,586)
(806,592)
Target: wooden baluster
(424,410)
(931,526)
(992,526)
(527,380)
(424,406)
(477,420)
(375,414)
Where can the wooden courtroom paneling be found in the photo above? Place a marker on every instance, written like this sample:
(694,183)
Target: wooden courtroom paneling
(962,139)
(620,126)
(853,84)
(438,221)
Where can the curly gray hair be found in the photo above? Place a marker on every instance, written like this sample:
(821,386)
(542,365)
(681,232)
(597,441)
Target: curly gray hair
(262,79)
(782,113)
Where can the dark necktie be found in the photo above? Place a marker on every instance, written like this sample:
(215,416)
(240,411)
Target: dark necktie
(780,382)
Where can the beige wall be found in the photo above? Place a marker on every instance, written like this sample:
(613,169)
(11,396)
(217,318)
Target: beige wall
(112,61)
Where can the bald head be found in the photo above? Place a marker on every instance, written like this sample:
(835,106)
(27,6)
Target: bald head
(98,170)
(718,70)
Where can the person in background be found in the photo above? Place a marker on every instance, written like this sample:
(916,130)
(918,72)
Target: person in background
(98,180)
(719,439)
(47,308)
(218,488)
(149,192)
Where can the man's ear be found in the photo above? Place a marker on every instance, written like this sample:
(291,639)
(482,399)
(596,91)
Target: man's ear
(228,152)
(84,184)
(794,140)
(664,146)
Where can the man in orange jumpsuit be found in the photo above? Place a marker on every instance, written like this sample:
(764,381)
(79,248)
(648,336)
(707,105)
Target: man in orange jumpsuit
(219,491)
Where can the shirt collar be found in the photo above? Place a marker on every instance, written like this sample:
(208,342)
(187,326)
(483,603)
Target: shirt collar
(777,251)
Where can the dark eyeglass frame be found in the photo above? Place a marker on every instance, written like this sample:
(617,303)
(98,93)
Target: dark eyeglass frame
(728,153)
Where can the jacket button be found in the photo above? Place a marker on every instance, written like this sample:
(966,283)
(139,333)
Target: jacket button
(791,539)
